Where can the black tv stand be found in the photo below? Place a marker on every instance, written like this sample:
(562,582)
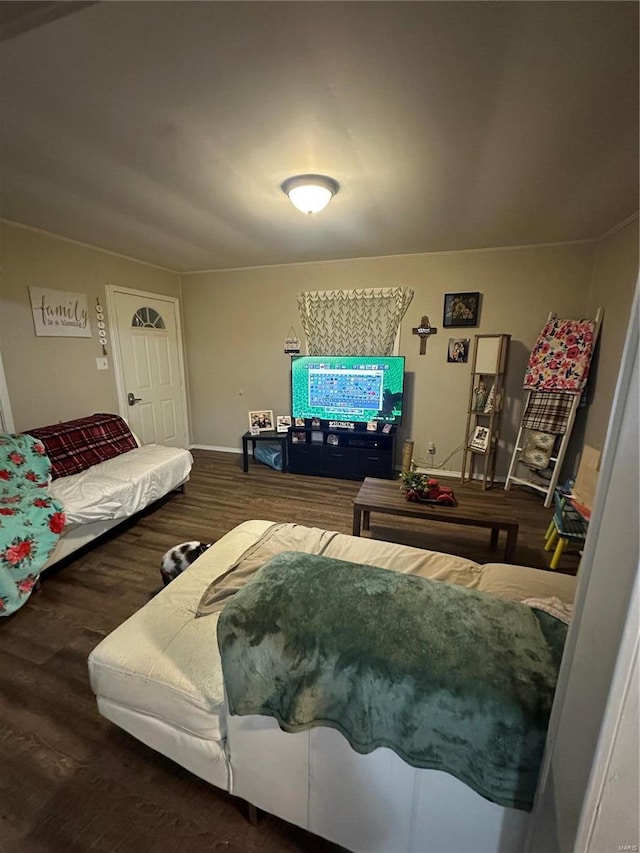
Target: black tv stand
(351,454)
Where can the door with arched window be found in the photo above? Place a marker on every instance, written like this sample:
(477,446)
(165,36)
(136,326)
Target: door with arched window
(149,365)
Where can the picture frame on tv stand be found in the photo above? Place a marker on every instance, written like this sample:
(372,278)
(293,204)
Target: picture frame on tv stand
(261,419)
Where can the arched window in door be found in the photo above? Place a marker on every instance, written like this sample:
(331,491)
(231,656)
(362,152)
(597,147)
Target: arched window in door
(147,318)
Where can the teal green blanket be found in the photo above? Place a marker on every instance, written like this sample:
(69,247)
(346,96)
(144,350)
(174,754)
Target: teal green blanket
(446,677)
(30,520)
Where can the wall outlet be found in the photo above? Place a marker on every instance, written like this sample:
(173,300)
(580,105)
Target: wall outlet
(431,448)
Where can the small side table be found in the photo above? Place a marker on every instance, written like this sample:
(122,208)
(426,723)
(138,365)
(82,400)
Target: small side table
(271,436)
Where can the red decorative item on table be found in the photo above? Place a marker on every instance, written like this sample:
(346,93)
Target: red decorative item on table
(418,488)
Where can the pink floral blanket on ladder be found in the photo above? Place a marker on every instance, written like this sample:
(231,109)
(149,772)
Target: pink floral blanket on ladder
(561,358)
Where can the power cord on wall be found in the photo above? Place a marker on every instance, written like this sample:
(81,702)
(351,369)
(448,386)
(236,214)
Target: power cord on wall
(444,462)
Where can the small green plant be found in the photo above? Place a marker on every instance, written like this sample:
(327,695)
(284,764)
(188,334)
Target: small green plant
(422,488)
(412,482)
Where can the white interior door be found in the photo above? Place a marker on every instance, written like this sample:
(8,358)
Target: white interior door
(151,379)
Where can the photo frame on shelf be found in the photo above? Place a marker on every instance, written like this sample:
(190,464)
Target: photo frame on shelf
(262,420)
(283,422)
(461,309)
(480,439)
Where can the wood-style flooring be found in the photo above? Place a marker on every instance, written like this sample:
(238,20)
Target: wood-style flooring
(70,781)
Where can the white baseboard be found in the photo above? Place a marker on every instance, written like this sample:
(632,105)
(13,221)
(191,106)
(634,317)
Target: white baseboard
(215,447)
(441,472)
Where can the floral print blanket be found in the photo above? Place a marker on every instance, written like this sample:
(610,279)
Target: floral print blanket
(31,521)
(561,358)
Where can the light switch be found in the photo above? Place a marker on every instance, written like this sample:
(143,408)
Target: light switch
(102,364)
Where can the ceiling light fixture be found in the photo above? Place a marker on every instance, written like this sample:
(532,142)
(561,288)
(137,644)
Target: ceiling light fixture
(310,193)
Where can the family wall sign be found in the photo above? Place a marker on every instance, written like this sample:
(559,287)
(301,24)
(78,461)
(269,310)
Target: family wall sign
(59,313)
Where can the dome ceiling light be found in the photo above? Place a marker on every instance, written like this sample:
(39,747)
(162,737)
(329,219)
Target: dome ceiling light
(310,193)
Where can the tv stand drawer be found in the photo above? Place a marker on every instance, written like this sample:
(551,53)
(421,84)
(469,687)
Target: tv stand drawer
(376,464)
(354,457)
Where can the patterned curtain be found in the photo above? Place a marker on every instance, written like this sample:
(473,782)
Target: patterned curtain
(353,322)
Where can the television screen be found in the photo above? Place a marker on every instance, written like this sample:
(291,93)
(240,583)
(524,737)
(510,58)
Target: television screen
(353,388)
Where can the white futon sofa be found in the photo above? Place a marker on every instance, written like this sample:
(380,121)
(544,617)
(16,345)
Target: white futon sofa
(102,475)
(158,676)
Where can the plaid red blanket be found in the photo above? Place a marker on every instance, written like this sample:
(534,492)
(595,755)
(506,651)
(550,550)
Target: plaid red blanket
(74,446)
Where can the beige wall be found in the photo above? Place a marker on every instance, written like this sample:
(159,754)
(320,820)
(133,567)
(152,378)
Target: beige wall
(53,379)
(236,322)
(614,282)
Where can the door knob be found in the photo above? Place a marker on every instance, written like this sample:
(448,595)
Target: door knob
(132,400)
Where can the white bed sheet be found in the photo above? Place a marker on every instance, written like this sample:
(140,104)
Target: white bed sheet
(122,486)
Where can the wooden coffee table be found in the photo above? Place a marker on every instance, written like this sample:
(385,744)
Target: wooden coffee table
(384,496)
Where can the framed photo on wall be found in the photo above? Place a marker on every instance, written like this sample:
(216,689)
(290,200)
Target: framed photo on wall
(461,309)
(458,350)
(262,420)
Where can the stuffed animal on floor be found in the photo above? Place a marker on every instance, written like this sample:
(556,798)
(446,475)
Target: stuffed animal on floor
(179,558)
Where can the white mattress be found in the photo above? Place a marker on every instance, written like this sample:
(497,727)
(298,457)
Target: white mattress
(159,677)
(162,664)
(122,486)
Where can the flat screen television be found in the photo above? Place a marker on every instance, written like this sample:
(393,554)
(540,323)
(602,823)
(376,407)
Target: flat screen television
(350,388)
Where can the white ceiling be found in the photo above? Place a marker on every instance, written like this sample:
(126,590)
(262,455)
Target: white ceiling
(163,130)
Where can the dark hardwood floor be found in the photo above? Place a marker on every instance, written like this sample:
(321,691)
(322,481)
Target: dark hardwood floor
(70,781)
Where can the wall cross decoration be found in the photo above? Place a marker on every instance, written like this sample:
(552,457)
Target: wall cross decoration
(424,330)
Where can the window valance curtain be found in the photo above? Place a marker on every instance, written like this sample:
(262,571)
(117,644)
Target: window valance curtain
(353,322)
